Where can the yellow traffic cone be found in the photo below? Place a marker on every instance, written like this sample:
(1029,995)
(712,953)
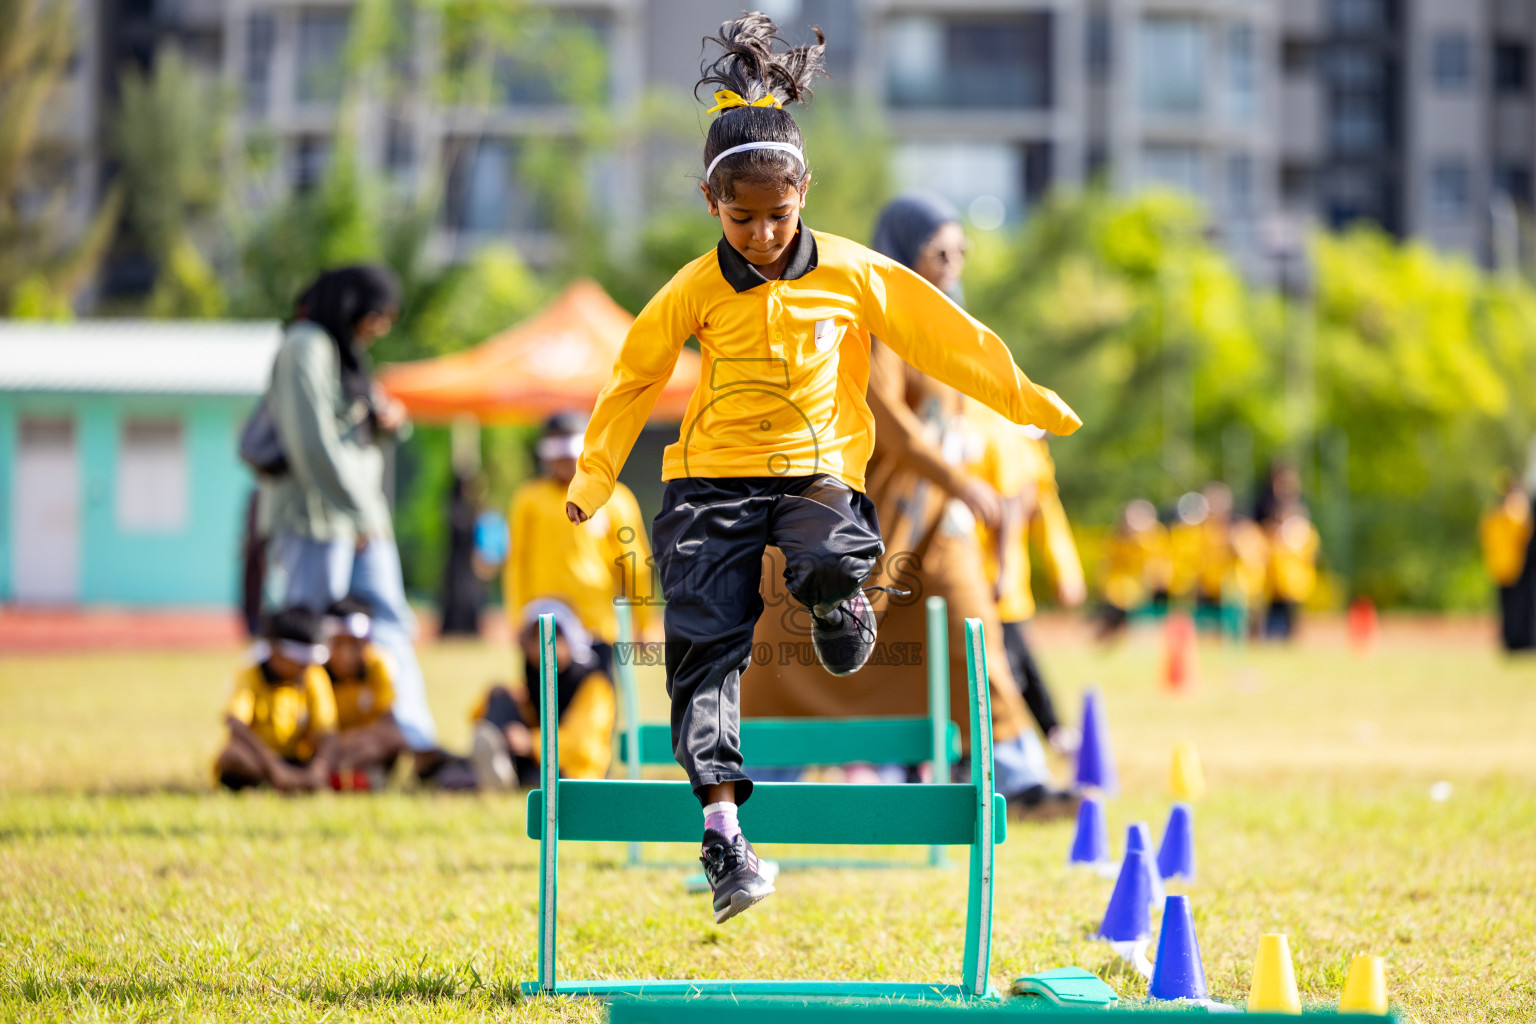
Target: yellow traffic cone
(1365,990)
(1186,778)
(1274,981)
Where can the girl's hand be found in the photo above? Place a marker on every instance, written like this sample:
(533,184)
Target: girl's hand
(574,514)
(983,501)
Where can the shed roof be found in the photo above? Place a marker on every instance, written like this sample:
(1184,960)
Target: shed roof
(174,357)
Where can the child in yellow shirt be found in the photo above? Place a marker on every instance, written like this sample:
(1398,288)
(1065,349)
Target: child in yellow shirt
(1135,566)
(1505,533)
(604,560)
(282,714)
(362,677)
(507,719)
(775,441)
(1293,547)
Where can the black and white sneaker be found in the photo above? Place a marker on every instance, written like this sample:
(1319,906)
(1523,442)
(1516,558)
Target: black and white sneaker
(735,874)
(844,639)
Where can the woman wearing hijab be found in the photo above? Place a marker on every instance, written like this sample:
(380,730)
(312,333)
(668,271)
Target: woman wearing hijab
(928,505)
(327,514)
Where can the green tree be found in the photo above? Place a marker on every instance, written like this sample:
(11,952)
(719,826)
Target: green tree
(1143,325)
(169,134)
(43,263)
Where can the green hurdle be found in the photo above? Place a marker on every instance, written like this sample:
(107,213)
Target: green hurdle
(800,742)
(628,810)
(773,1011)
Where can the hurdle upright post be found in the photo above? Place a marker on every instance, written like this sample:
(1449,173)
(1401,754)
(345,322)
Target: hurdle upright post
(624,668)
(938,704)
(978,917)
(549,777)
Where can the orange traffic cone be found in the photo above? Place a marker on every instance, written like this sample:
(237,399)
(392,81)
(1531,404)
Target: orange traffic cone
(1182,669)
(1363,625)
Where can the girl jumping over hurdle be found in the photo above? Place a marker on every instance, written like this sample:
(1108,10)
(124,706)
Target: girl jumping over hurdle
(774,445)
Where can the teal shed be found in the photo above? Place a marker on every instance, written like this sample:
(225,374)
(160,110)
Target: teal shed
(120,482)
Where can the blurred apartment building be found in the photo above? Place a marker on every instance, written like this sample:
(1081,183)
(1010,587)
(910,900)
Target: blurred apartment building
(1417,114)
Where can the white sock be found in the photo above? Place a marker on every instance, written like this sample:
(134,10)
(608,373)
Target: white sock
(722,818)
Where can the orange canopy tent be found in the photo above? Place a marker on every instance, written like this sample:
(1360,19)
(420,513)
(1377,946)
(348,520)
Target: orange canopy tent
(557,359)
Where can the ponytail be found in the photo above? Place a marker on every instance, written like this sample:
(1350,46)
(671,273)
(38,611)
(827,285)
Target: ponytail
(755,81)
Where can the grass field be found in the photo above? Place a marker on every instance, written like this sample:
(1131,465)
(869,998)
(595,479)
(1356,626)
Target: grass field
(129,890)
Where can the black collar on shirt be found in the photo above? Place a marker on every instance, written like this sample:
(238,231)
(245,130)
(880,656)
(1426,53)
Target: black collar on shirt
(743,276)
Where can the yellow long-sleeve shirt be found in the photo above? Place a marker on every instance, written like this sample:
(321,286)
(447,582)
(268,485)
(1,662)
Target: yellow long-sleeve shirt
(1504,533)
(1136,564)
(586,727)
(1019,466)
(585,566)
(1293,547)
(364,700)
(291,718)
(786,364)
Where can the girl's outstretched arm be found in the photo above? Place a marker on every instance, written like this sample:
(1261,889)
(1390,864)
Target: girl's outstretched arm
(942,340)
(644,367)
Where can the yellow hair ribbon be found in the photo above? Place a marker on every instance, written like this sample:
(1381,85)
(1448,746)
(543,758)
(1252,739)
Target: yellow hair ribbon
(729,99)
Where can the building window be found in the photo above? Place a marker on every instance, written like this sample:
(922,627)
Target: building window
(399,145)
(1240,185)
(1172,62)
(1450,188)
(970,63)
(1360,16)
(1298,57)
(1242,74)
(1180,167)
(1298,185)
(1514,181)
(260,40)
(152,477)
(1451,61)
(486,194)
(311,155)
(1357,125)
(1510,62)
(559,58)
(1101,52)
(321,57)
(984,179)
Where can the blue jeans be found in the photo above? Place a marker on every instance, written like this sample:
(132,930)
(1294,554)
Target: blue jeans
(1020,764)
(321,572)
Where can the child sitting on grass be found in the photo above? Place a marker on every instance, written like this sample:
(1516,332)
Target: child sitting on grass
(362,676)
(282,716)
(776,439)
(506,750)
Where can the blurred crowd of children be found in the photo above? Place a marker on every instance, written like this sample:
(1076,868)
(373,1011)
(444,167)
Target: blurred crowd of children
(1242,576)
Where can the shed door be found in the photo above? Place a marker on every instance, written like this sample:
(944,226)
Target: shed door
(45,544)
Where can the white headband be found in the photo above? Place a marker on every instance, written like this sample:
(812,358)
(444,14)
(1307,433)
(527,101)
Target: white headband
(293,650)
(782,147)
(356,625)
(556,446)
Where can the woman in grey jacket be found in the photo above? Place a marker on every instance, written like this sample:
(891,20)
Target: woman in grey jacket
(328,517)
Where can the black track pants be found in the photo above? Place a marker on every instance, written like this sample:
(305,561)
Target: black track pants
(1026,673)
(709,539)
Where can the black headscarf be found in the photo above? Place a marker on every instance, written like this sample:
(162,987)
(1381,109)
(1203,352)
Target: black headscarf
(336,301)
(906,225)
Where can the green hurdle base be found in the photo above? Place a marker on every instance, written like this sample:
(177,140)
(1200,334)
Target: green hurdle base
(772,1011)
(685,993)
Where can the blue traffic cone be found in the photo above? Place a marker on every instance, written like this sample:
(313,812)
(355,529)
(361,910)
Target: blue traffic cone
(1091,843)
(1139,837)
(1176,857)
(1178,972)
(1095,761)
(1129,918)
